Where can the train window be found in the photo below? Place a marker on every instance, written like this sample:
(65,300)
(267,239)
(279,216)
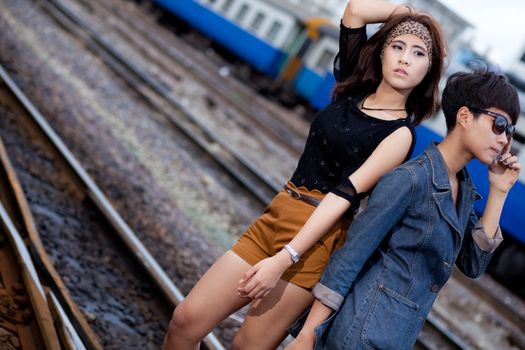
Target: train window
(257,21)
(274,30)
(241,14)
(326,59)
(226,5)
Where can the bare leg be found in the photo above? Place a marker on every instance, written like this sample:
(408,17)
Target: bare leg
(266,323)
(210,301)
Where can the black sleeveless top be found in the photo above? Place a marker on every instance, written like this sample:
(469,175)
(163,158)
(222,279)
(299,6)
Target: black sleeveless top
(341,136)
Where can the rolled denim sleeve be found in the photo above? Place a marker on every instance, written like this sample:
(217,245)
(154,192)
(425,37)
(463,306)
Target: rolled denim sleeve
(482,239)
(386,206)
(327,296)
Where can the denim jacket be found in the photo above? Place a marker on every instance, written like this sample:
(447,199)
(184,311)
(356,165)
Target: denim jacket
(399,253)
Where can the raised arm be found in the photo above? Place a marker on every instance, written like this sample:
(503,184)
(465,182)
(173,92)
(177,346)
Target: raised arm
(503,174)
(352,36)
(391,152)
(484,236)
(360,12)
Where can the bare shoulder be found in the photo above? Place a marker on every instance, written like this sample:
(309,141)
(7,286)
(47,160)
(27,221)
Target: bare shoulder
(401,136)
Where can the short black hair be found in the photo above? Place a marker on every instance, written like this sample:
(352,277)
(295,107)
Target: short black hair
(480,88)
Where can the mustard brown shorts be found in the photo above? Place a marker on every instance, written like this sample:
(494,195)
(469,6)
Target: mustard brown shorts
(278,225)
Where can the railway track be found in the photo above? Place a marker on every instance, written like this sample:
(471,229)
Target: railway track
(436,335)
(165,50)
(482,313)
(56,305)
(258,163)
(123,297)
(26,319)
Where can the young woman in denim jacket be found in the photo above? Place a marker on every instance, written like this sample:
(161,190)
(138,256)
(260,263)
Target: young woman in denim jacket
(379,288)
(361,135)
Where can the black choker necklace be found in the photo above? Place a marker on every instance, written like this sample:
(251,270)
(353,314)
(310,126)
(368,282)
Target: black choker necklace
(379,109)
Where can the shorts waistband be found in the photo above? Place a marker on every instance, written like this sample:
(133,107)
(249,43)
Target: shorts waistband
(301,196)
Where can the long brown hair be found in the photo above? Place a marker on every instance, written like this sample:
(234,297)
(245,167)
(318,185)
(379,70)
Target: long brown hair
(423,100)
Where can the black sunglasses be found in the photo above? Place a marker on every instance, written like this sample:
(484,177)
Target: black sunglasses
(500,124)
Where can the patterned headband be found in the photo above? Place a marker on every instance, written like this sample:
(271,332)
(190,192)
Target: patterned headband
(410,27)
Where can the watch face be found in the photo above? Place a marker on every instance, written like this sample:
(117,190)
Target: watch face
(293,253)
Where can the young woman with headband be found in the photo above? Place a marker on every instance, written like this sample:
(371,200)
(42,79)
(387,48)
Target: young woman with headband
(386,86)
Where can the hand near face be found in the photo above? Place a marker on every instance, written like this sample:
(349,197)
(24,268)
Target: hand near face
(504,171)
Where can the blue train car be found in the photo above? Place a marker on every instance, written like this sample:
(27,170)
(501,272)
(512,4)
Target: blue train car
(315,80)
(256,33)
(314,87)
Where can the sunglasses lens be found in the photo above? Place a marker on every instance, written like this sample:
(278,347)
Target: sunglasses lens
(500,124)
(510,131)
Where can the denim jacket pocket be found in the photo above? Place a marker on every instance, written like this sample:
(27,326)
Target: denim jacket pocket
(321,335)
(296,327)
(390,321)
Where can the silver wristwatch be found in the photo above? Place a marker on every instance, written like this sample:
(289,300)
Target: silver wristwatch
(293,253)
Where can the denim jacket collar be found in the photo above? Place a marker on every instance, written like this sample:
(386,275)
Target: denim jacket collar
(439,168)
(443,195)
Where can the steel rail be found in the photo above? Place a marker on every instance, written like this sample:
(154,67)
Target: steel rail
(20,209)
(125,233)
(260,184)
(497,295)
(202,70)
(450,336)
(34,288)
(66,331)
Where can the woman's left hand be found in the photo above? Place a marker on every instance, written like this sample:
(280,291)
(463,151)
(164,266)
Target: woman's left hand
(262,277)
(504,171)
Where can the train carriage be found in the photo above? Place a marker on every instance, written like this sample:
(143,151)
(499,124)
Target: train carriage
(255,31)
(315,80)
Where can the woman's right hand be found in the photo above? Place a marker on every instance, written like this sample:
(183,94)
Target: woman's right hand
(262,277)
